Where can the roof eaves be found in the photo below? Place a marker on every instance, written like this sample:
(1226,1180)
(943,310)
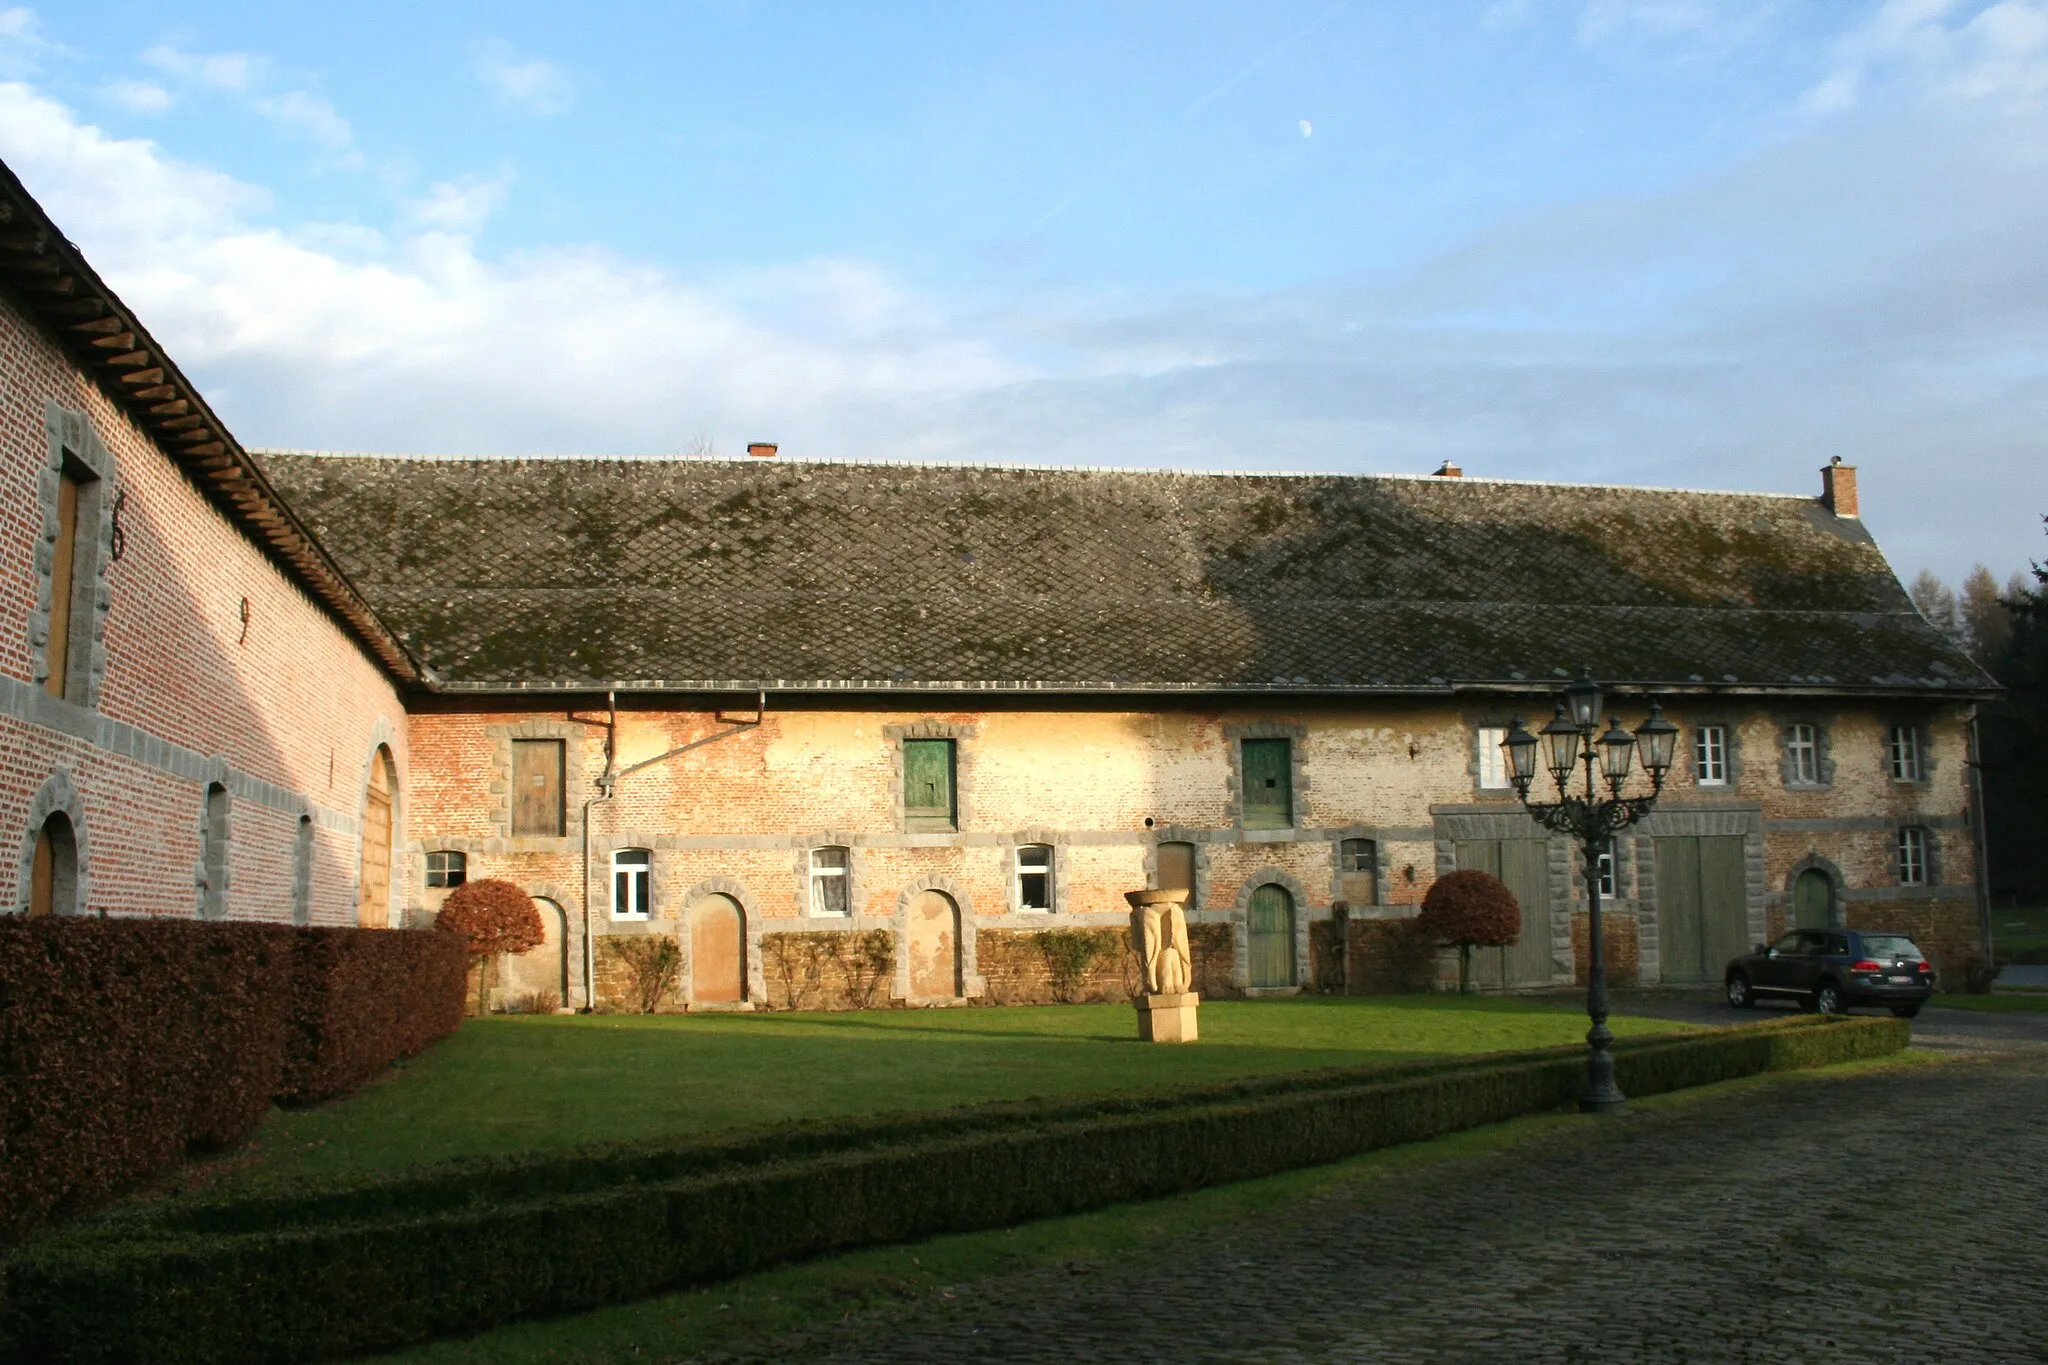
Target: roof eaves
(52,280)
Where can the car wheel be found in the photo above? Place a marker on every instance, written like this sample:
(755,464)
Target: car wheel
(1827,998)
(1906,1011)
(1739,996)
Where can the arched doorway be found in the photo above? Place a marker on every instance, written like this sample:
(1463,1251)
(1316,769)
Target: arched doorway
(542,971)
(718,952)
(1271,933)
(1813,897)
(53,870)
(934,946)
(373,879)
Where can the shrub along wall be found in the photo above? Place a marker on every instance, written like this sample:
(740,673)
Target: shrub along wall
(127,1044)
(341,1269)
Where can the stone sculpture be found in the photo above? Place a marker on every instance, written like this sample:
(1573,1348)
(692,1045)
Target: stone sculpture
(1159,935)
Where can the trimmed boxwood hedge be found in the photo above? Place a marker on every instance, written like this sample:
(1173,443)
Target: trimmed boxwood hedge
(339,1269)
(126,1044)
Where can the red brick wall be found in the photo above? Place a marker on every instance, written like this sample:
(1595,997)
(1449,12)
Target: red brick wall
(295,704)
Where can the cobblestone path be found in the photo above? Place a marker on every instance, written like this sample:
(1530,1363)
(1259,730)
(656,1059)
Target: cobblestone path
(1899,1217)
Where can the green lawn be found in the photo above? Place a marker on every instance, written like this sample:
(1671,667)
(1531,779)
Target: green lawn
(524,1083)
(2020,934)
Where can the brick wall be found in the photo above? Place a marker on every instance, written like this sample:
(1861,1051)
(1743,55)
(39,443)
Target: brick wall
(285,709)
(1104,787)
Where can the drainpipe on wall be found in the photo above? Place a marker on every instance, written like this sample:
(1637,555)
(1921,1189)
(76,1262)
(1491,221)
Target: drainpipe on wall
(607,786)
(604,787)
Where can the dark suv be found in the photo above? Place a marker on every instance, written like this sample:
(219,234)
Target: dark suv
(1832,969)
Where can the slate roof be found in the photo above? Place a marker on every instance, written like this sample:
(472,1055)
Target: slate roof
(579,574)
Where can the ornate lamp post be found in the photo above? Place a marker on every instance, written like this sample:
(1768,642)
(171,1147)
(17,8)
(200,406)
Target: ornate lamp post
(1572,739)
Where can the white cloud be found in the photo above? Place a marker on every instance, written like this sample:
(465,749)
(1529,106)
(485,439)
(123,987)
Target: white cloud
(228,72)
(308,115)
(253,79)
(532,84)
(1713,26)
(142,97)
(1995,54)
(461,206)
(22,43)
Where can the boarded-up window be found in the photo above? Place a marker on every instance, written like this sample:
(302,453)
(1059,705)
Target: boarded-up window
(928,781)
(537,807)
(63,577)
(1177,869)
(1268,784)
(1358,871)
(213,854)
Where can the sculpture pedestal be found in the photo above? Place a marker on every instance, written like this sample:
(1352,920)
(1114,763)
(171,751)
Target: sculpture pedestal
(1167,1018)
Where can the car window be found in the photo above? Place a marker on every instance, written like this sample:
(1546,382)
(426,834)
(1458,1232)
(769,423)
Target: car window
(1890,946)
(1838,945)
(1811,944)
(1787,944)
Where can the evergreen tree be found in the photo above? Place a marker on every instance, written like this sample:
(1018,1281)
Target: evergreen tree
(2013,735)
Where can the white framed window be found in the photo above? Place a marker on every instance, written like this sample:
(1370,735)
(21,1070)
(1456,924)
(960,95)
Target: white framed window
(1710,755)
(1493,764)
(1902,748)
(1607,879)
(830,894)
(1802,754)
(630,868)
(1912,856)
(447,868)
(1034,876)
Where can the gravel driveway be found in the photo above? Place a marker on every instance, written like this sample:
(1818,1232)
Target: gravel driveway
(1881,1217)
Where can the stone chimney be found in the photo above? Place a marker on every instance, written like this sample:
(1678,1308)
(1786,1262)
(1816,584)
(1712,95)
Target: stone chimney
(1838,488)
(761,450)
(1447,470)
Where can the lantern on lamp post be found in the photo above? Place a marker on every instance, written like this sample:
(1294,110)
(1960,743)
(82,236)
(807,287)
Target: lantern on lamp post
(1572,741)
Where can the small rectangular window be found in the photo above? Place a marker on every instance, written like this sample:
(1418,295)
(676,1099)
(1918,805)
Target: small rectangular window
(1912,856)
(1902,744)
(1358,871)
(829,892)
(928,782)
(1034,877)
(537,804)
(1607,891)
(1268,783)
(1802,754)
(629,883)
(1493,764)
(1710,755)
(447,869)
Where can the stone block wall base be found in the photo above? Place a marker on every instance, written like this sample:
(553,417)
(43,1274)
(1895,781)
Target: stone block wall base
(1167,1018)
(722,1007)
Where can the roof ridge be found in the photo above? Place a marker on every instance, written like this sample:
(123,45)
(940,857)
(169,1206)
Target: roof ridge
(1017,466)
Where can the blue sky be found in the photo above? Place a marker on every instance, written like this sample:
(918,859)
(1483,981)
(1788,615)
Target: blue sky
(1657,241)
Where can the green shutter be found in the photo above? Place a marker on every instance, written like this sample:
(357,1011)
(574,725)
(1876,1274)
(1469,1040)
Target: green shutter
(928,780)
(1268,784)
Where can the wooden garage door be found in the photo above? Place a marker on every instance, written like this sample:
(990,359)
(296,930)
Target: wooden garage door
(1524,864)
(1702,905)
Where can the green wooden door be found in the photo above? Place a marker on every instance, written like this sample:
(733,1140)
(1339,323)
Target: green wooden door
(1812,895)
(1271,932)
(1702,905)
(1524,865)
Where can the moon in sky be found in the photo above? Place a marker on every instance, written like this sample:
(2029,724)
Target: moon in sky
(1307,128)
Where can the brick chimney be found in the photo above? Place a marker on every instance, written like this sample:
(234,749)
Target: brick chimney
(1838,487)
(1447,470)
(761,450)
